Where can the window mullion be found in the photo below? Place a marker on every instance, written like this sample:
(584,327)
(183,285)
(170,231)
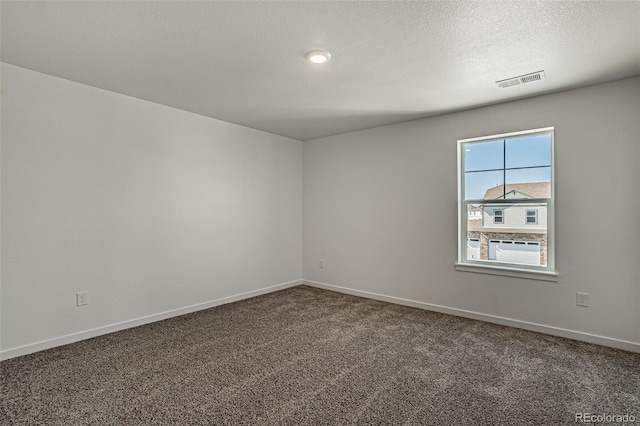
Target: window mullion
(504,168)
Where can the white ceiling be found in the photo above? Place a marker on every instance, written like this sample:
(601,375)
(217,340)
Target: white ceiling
(392,61)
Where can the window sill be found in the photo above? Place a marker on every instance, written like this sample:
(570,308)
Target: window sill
(508,272)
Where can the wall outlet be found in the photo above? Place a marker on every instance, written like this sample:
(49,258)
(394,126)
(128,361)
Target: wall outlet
(82,298)
(321,263)
(582,299)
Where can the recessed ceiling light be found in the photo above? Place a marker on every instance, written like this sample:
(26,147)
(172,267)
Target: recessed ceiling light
(318,56)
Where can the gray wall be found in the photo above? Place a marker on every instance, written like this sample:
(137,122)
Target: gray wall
(157,212)
(153,210)
(380,209)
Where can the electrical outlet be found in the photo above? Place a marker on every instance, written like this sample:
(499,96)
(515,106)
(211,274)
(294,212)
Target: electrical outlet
(82,298)
(321,263)
(582,299)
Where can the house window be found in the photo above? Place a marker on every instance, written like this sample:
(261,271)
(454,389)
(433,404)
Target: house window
(509,180)
(498,216)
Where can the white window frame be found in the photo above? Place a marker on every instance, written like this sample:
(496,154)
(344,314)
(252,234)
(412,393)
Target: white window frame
(535,216)
(541,272)
(501,215)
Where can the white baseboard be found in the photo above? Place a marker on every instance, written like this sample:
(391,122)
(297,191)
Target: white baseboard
(99,331)
(540,328)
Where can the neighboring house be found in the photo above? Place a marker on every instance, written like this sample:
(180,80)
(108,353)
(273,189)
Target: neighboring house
(514,233)
(475,213)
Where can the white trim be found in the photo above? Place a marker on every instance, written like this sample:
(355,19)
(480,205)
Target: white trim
(507,135)
(510,322)
(99,331)
(506,271)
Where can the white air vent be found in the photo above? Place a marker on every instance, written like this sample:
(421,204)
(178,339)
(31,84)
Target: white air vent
(527,78)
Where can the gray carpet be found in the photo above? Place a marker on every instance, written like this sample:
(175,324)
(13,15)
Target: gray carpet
(310,356)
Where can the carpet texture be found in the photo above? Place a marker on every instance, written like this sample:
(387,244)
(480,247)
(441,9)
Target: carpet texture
(310,356)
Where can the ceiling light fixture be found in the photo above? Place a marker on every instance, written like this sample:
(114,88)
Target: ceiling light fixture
(318,56)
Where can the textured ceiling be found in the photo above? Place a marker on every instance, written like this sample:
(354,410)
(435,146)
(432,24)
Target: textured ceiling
(243,62)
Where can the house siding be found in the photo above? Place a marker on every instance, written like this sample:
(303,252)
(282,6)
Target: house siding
(515,217)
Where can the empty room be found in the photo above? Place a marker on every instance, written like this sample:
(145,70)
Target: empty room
(319,212)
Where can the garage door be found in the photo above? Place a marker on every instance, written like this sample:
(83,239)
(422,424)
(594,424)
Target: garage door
(524,252)
(473,248)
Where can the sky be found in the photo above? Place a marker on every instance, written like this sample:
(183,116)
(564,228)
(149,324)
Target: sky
(482,158)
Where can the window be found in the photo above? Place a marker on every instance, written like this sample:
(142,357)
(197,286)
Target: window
(498,216)
(508,180)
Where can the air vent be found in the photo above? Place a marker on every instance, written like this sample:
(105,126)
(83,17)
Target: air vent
(527,78)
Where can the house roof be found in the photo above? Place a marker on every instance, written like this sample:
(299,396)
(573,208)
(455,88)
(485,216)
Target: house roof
(530,190)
